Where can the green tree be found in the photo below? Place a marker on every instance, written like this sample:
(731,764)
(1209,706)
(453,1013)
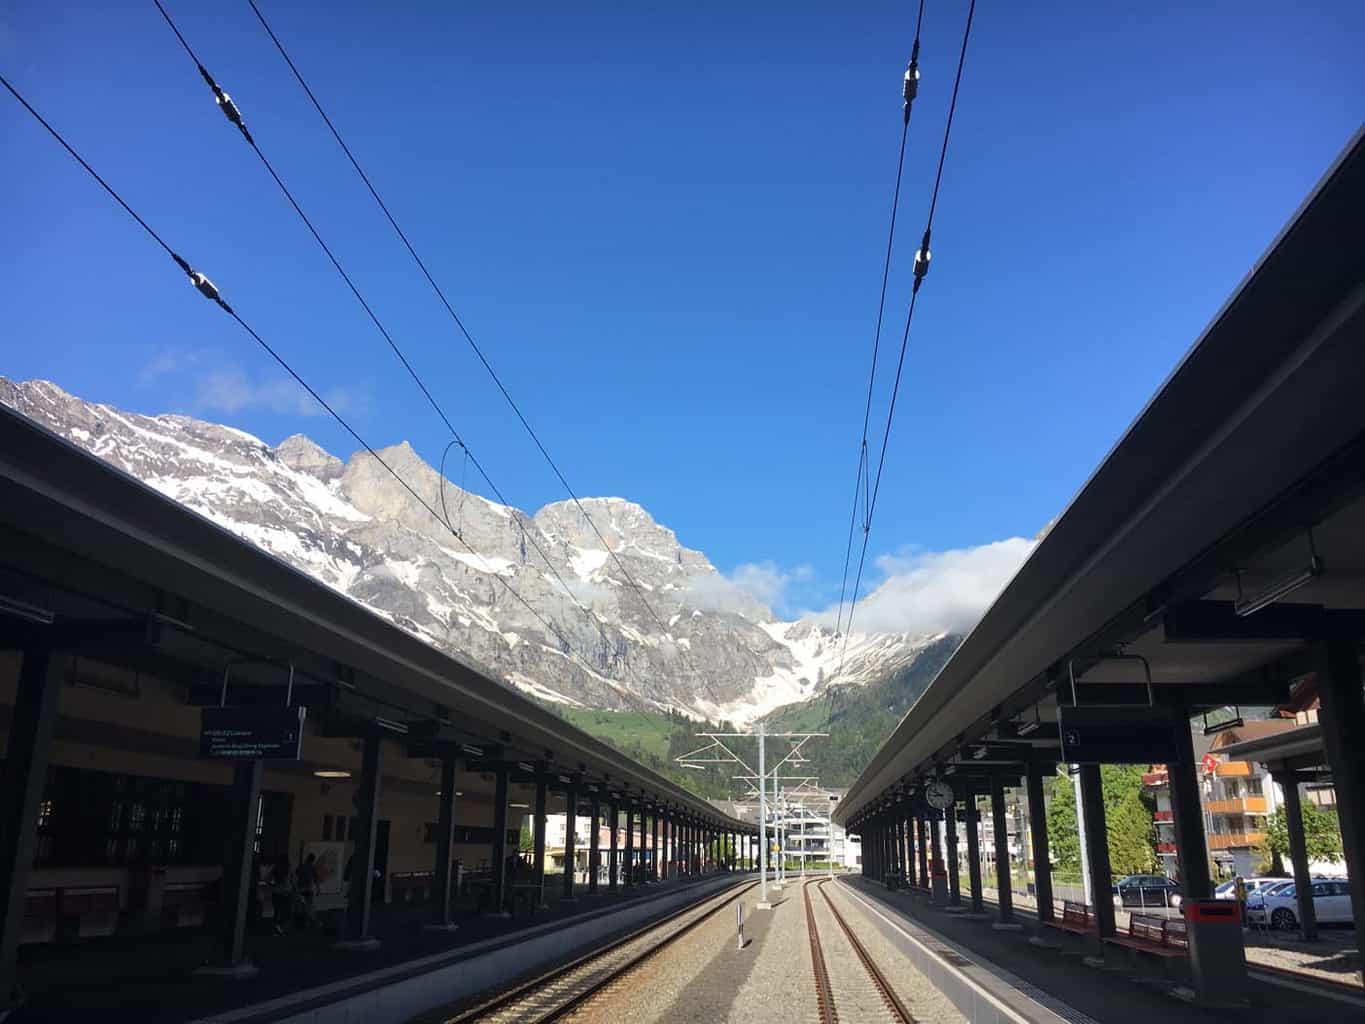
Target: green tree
(1321,833)
(1128,820)
(526,842)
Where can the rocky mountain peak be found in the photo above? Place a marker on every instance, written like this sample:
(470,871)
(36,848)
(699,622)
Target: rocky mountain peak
(307,456)
(538,600)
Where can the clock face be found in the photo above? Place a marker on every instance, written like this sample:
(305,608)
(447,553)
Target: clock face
(939,794)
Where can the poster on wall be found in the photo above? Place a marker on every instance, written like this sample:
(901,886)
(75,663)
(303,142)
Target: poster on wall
(330,864)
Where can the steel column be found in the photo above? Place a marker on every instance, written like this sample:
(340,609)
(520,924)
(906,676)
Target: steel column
(499,842)
(570,839)
(1191,845)
(1298,854)
(595,844)
(1096,850)
(362,859)
(1042,865)
(1342,717)
(445,835)
(538,842)
(1004,890)
(974,852)
(613,855)
(954,883)
(32,722)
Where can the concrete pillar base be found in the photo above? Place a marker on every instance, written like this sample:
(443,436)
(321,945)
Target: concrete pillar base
(232,972)
(1189,995)
(365,945)
(434,927)
(1044,942)
(1007,926)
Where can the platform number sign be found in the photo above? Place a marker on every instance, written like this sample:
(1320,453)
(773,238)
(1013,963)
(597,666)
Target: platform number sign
(252,733)
(1116,735)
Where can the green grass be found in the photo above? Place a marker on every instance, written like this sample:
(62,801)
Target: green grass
(624,730)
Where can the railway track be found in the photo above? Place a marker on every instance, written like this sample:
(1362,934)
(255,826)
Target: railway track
(557,992)
(826,1005)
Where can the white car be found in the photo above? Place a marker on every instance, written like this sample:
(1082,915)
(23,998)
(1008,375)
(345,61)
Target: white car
(1280,909)
(1251,886)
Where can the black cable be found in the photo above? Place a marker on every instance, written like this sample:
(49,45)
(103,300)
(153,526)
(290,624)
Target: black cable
(455,316)
(910,91)
(218,301)
(235,117)
(921,269)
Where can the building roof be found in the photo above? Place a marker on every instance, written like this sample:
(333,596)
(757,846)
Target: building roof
(1259,415)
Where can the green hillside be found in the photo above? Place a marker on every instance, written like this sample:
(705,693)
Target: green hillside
(858,719)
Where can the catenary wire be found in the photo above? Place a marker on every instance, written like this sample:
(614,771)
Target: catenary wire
(910,91)
(233,115)
(922,258)
(459,323)
(210,292)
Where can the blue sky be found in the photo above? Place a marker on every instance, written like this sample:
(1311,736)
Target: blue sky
(665,227)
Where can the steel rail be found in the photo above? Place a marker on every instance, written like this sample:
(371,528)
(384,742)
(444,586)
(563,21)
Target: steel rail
(506,1003)
(893,1002)
(824,995)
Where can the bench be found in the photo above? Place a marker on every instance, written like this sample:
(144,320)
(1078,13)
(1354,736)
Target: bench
(185,904)
(412,886)
(40,916)
(1076,918)
(92,910)
(1158,936)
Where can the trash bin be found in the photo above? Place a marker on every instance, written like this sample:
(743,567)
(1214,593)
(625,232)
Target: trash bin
(1218,958)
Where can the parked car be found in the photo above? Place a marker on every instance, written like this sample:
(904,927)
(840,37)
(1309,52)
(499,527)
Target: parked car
(1146,891)
(1279,906)
(1252,887)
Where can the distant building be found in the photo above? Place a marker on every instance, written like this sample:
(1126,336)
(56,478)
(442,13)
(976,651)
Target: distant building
(1237,797)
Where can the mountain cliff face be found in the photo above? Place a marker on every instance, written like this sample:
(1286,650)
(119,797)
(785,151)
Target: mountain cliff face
(715,653)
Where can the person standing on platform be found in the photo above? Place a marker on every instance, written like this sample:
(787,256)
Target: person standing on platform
(281,891)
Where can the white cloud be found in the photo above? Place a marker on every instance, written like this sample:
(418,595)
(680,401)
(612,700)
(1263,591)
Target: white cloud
(927,592)
(166,362)
(753,589)
(218,385)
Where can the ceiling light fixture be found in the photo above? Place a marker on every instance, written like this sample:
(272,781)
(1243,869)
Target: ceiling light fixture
(332,773)
(1027,727)
(980,753)
(1245,606)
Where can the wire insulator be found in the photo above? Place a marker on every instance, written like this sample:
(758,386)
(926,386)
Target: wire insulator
(206,287)
(922,257)
(911,86)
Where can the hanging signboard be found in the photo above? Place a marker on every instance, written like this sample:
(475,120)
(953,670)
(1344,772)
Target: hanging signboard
(252,733)
(1117,735)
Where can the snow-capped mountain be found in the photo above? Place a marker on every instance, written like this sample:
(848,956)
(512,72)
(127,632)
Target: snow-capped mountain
(499,586)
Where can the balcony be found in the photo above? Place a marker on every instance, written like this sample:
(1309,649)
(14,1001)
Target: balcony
(1242,805)
(1155,778)
(1233,770)
(1235,840)
(1162,815)
(1165,848)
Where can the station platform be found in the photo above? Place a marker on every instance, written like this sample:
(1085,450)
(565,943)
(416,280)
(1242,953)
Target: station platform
(152,978)
(1047,986)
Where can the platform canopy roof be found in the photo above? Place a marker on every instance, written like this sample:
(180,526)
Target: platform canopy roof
(1247,462)
(110,560)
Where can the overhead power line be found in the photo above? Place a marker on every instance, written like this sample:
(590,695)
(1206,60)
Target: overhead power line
(209,291)
(910,89)
(459,323)
(921,268)
(233,114)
